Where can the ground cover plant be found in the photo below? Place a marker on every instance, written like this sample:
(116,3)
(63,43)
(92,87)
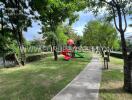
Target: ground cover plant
(39,80)
(112,82)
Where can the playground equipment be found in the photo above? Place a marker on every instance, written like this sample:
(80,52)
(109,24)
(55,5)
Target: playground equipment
(66,53)
(70,42)
(78,54)
(71,52)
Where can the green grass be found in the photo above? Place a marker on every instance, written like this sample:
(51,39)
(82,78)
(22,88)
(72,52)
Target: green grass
(116,61)
(40,80)
(112,82)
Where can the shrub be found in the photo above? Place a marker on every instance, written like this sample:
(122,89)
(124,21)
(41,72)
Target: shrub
(36,57)
(33,58)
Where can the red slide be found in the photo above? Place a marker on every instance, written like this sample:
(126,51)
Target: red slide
(66,52)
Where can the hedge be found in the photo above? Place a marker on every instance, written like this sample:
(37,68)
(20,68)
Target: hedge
(116,54)
(36,57)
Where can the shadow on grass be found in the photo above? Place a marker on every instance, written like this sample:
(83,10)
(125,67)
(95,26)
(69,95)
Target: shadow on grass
(113,91)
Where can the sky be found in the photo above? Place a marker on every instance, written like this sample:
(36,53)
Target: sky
(85,17)
(78,26)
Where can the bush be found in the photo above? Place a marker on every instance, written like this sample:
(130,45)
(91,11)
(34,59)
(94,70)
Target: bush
(33,58)
(36,57)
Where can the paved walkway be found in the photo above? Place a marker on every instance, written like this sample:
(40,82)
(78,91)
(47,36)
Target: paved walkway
(86,85)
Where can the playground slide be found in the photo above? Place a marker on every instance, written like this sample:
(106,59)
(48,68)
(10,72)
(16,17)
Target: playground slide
(67,57)
(65,53)
(78,54)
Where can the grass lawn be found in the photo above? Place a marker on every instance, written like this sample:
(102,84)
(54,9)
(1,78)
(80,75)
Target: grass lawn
(40,80)
(112,82)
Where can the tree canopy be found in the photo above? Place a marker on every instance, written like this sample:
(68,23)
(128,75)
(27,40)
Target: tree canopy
(97,33)
(18,16)
(117,10)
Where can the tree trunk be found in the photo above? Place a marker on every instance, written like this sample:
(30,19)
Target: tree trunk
(4,59)
(55,54)
(52,47)
(22,61)
(2,31)
(16,59)
(127,66)
(23,58)
(108,54)
(21,48)
(101,51)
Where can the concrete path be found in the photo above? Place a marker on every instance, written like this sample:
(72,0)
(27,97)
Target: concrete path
(86,85)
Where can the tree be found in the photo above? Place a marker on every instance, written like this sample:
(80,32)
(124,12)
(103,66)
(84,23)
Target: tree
(59,36)
(100,34)
(91,32)
(6,36)
(50,38)
(5,41)
(17,20)
(79,41)
(60,33)
(117,9)
(117,45)
(54,12)
(109,36)
(2,38)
